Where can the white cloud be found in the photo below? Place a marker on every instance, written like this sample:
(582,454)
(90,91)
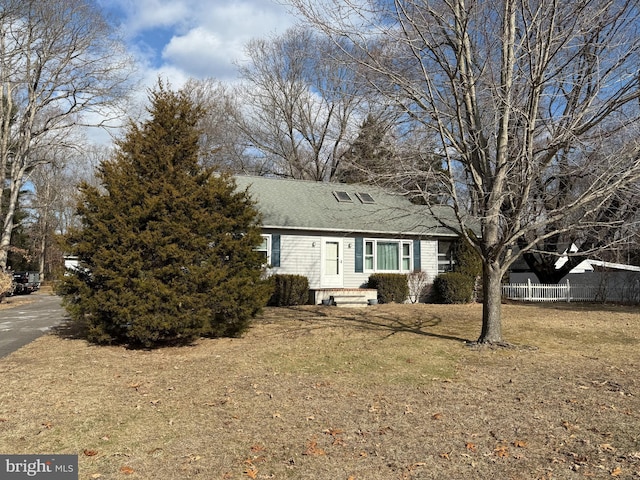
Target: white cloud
(146,14)
(200,37)
(202,53)
(179,39)
(217,40)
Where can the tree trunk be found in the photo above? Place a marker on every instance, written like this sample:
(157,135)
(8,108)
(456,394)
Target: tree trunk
(42,254)
(491,305)
(7,228)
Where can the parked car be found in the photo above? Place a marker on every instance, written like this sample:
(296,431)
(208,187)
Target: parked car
(25,282)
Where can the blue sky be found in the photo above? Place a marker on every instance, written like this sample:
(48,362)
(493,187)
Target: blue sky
(179,39)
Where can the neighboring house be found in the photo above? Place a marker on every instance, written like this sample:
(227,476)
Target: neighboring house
(608,281)
(337,234)
(521,273)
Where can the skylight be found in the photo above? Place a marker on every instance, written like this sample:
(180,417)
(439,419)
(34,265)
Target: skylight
(342,196)
(365,197)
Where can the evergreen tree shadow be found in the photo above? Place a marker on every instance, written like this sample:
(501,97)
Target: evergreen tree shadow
(70,330)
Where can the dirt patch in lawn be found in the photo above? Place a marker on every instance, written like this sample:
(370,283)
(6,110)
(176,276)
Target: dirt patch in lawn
(384,392)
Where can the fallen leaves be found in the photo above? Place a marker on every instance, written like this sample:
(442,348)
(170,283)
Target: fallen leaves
(336,434)
(127,470)
(90,453)
(501,451)
(313,450)
(251,472)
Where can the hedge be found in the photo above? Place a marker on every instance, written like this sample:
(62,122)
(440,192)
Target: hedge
(289,290)
(453,287)
(392,287)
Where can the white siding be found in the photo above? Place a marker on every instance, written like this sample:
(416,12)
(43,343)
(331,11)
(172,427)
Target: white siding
(429,258)
(300,255)
(351,278)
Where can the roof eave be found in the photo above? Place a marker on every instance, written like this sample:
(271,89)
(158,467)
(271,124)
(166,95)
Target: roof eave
(370,232)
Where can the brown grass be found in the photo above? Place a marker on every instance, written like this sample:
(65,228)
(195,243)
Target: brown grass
(384,392)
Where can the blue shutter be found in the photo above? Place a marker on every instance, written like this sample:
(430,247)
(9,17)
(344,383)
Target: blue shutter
(359,255)
(416,256)
(275,250)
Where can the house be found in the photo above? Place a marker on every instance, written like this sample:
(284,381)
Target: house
(520,271)
(337,235)
(601,281)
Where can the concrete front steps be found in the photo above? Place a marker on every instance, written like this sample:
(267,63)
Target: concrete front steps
(346,297)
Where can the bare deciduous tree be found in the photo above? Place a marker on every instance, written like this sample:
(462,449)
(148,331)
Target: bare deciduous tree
(52,200)
(514,91)
(60,66)
(223,143)
(300,104)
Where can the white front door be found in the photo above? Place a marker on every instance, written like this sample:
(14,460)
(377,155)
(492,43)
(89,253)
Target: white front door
(331,263)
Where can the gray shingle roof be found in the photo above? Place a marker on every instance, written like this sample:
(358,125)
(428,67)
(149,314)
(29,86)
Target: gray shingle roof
(313,206)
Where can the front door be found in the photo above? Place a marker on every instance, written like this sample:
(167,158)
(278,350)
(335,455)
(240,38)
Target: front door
(331,266)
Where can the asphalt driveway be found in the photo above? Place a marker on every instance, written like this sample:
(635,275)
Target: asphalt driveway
(24,322)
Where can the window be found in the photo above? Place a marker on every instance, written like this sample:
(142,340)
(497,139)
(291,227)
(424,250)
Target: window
(387,255)
(342,196)
(365,197)
(265,249)
(406,257)
(445,256)
(368,256)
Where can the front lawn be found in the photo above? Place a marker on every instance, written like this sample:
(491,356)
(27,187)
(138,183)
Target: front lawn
(383,392)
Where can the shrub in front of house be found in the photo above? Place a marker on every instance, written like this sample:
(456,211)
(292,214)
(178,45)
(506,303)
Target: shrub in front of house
(391,287)
(289,290)
(453,287)
(468,262)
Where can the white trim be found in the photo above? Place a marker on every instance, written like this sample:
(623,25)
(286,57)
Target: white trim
(329,279)
(374,255)
(360,233)
(615,266)
(267,237)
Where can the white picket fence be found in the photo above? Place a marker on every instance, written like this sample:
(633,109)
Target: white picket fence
(564,292)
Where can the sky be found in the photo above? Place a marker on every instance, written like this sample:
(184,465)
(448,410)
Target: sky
(180,39)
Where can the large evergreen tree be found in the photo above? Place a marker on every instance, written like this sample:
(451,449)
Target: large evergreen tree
(369,156)
(166,246)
